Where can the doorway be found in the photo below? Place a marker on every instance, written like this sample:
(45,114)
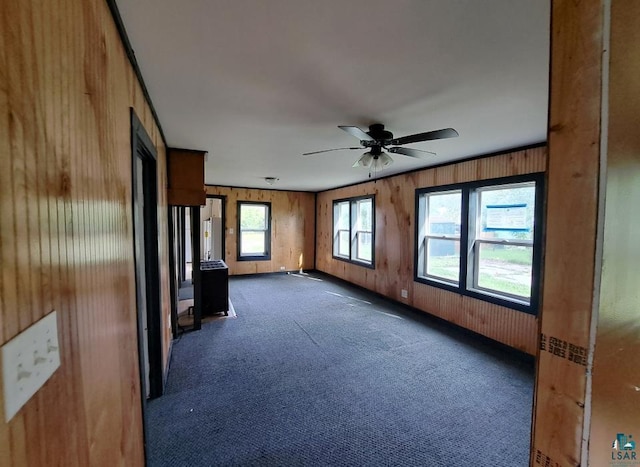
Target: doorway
(188,313)
(202,226)
(201,237)
(145,233)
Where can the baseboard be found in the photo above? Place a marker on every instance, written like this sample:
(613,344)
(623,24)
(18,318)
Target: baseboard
(274,273)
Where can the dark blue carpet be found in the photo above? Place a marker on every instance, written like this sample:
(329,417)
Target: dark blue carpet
(311,374)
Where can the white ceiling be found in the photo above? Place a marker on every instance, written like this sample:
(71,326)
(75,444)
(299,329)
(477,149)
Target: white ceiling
(257,83)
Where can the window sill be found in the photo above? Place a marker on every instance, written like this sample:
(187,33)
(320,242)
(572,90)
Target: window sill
(497,299)
(355,261)
(254,258)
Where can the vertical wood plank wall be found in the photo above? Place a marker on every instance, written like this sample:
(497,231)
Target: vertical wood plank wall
(394,246)
(615,406)
(66,237)
(572,209)
(292,229)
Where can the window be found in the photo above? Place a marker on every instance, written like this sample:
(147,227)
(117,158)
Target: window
(439,256)
(254,231)
(342,228)
(353,230)
(502,240)
(482,239)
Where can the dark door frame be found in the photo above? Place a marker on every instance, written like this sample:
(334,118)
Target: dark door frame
(182,239)
(194,218)
(143,148)
(173,275)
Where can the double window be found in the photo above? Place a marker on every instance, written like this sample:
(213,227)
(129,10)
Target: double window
(482,239)
(254,231)
(353,230)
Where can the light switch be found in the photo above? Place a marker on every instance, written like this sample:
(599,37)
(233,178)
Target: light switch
(28,361)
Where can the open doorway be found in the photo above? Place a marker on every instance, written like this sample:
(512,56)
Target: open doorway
(186,257)
(201,238)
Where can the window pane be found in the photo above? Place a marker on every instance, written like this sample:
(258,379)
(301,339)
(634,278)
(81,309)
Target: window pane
(364,246)
(342,216)
(507,212)
(365,219)
(252,243)
(343,243)
(505,268)
(444,213)
(253,216)
(443,258)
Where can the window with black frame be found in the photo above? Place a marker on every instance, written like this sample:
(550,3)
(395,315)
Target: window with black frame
(354,230)
(482,239)
(254,231)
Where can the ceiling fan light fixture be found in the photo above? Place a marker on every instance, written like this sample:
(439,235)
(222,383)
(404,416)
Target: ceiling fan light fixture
(374,161)
(382,161)
(365,160)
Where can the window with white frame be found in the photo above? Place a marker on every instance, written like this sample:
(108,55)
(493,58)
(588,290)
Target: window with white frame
(482,239)
(341,229)
(439,249)
(353,230)
(254,231)
(501,241)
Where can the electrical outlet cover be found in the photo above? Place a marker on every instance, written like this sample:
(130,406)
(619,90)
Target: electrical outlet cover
(28,361)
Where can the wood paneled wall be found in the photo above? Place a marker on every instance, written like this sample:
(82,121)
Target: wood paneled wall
(572,210)
(590,301)
(395,212)
(616,368)
(66,237)
(615,391)
(292,229)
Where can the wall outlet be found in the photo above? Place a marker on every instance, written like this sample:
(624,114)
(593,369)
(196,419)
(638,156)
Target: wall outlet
(282,268)
(28,361)
(404,293)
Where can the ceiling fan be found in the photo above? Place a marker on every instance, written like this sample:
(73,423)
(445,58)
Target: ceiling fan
(377,139)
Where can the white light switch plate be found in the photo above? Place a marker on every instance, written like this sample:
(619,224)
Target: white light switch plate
(28,361)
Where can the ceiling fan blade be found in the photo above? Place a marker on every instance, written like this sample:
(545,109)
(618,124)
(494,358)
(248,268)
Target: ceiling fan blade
(327,150)
(357,132)
(412,152)
(428,136)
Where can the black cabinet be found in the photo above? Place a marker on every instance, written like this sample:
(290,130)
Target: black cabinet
(214,287)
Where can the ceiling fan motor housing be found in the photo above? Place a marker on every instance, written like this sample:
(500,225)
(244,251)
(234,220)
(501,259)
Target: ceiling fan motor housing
(381,136)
